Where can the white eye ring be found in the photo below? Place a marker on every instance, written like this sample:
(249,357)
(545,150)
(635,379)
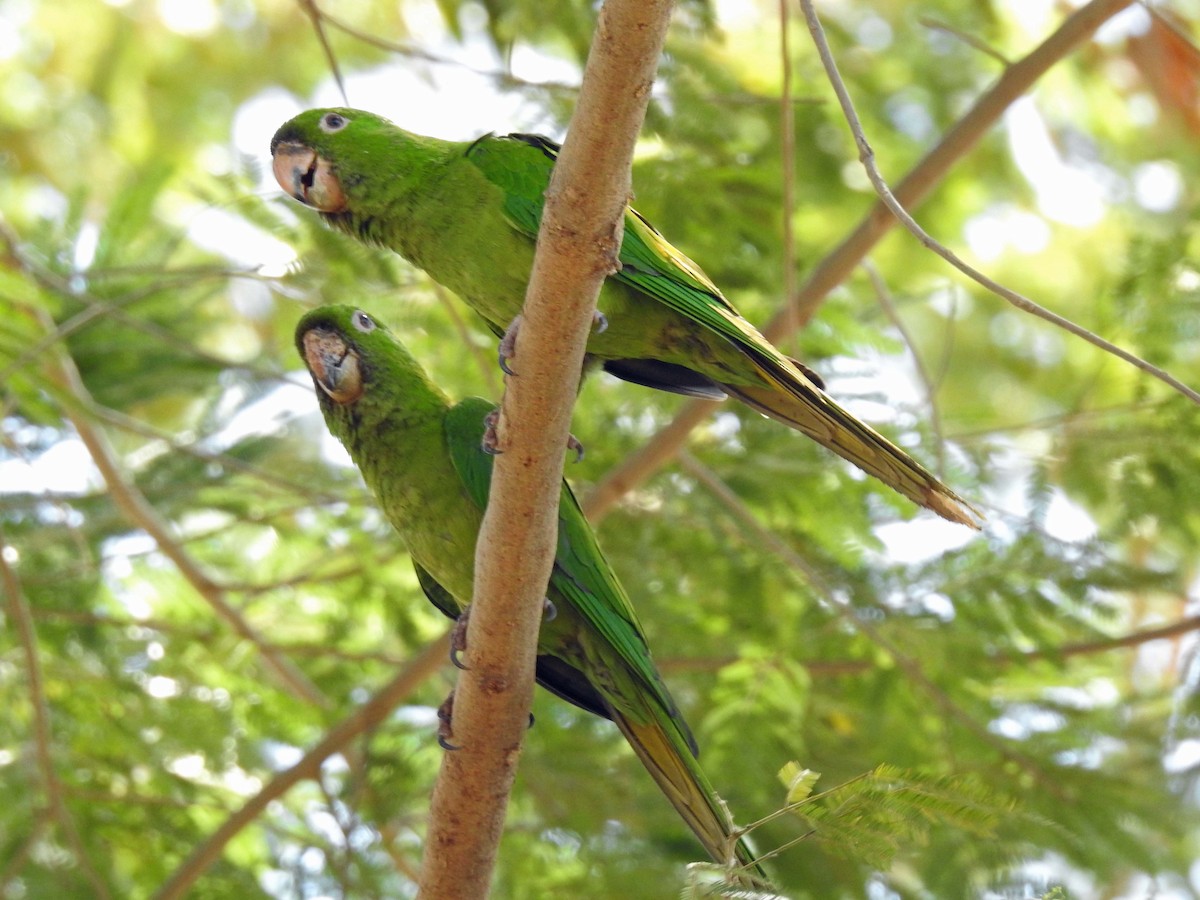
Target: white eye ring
(331,122)
(363,322)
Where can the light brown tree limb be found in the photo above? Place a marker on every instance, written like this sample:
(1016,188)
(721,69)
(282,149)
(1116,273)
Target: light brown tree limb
(867,157)
(366,717)
(835,267)
(22,619)
(577,249)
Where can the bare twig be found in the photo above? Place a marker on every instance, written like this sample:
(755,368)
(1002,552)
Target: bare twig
(316,16)
(787,152)
(970,40)
(18,610)
(1103,645)
(388,832)
(867,157)
(646,460)
(841,261)
(366,717)
(884,296)
(191,448)
(822,668)
(577,249)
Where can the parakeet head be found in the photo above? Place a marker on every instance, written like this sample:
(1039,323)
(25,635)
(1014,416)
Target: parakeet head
(361,372)
(329,343)
(321,153)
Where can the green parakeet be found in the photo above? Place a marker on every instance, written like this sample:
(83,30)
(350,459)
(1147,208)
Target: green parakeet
(422,459)
(468,214)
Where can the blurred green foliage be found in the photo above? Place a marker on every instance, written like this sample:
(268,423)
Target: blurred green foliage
(983,711)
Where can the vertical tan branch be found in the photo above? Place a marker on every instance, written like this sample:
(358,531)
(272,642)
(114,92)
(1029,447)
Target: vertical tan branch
(577,249)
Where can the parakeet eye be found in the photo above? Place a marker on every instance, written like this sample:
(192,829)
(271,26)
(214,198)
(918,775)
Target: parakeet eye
(363,322)
(331,122)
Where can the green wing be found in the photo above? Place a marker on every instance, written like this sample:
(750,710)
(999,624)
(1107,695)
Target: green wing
(520,165)
(581,575)
(436,594)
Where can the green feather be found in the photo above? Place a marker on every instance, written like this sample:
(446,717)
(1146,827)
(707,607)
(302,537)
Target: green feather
(468,214)
(423,460)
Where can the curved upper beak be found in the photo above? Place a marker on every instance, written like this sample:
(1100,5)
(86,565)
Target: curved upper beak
(333,364)
(308,177)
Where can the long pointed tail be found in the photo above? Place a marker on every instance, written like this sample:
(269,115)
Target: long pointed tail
(686,786)
(810,410)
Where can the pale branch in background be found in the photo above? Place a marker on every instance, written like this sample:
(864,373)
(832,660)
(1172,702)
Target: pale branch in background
(787,152)
(867,157)
(484,359)
(884,296)
(317,18)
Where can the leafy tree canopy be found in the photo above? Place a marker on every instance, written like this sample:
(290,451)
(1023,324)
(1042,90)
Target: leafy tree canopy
(198,590)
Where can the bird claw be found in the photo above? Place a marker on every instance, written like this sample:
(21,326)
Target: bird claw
(508,345)
(573,444)
(490,444)
(445,729)
(549,610)
(458,639)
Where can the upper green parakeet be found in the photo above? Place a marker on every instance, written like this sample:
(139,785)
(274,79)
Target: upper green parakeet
(468,214)
(422,459)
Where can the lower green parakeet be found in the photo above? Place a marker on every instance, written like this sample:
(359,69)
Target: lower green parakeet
(468,214)
(422,459)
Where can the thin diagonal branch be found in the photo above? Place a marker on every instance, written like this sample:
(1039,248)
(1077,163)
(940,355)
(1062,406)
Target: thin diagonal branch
(935,24)
(837,266)
(867,157)
(884,296)
(316,16)
(18,610)
(42,820)
(787,152)
(191,448)
(366,717)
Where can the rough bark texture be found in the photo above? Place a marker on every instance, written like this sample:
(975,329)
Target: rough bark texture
(577,249)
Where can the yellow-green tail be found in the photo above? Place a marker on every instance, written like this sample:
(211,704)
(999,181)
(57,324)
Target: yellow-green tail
(693,797)
(811,411)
